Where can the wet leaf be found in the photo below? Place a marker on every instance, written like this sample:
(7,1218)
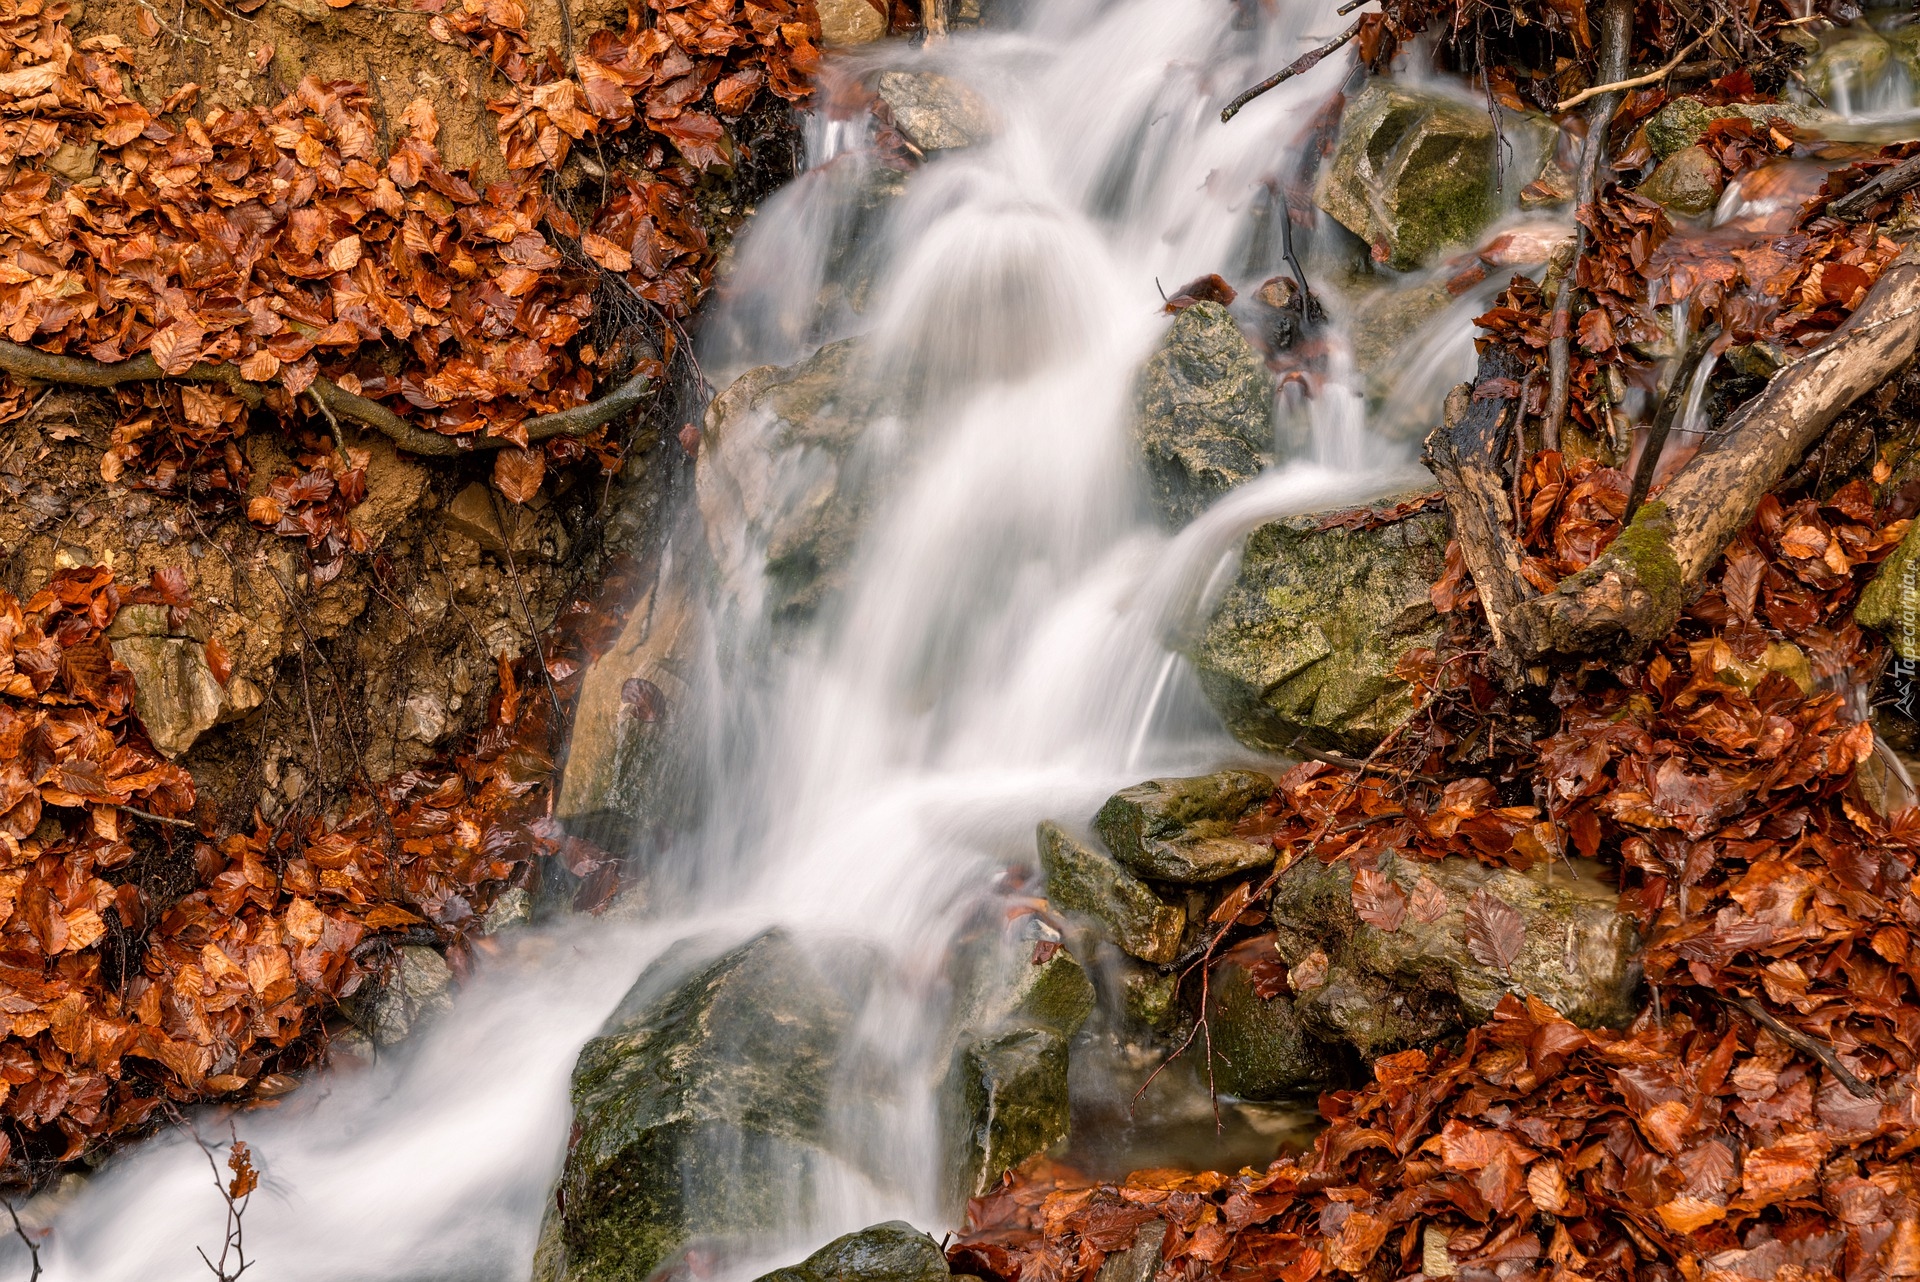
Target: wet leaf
(1495,931)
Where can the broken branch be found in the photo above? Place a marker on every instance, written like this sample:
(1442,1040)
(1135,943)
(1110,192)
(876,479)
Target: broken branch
(48,367)
(1888,182)
(1304,63)
(1635,82)
(1663,421)
(1465,456)
(1802,1043)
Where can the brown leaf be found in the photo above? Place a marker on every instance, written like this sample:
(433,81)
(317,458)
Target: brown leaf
(606,253)
(1378,900)
(517,472)
(1495,931)
(219,662)
(1429,903)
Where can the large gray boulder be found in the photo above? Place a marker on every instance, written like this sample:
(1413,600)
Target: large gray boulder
(1303,646)
(1413,172)
(781,486)
(699,1109)
(1204,418)
(890,1252)
(1182,830)
(1091,884)
(1380,990)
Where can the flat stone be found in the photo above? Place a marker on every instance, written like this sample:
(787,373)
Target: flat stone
(1181,830)
(699,1109)
(1303,646)
(1682,121)
(890,1252)
(472,514)
(1140,1261)
(1092,883)
(935,112)
(1204,413)
(1688,182)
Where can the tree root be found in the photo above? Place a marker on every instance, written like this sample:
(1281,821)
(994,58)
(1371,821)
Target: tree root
(31,362)
(1635,591)
(1465,455)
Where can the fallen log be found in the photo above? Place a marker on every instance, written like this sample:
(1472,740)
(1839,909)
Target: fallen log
(1634,593)
(1465,456)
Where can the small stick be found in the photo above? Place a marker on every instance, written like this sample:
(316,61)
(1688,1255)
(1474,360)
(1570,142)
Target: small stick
(159,819)
(1636,82)
(1804,1044)
(33,1247)
(1304,63)
(1349,7)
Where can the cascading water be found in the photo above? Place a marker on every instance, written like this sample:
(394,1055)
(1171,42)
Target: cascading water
(998,653)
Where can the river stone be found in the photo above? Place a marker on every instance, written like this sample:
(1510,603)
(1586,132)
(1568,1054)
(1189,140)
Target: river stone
(935,112)
(416,987)
(1688,182)
(1905,40)
(699,1108)
(1181,830)
(890,1252)
(1091,883)
(1204,413)
(1013,1088)
(1259,1047)
(1024,977)
(1682,121)
(1385,990)
(1849,64)
(1147,995)
(780,491)
(1303,646)
(1412,172)
(1140,1262)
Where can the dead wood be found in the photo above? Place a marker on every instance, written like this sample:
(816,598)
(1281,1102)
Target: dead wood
(1304,63)
(1465,455)
(1636,590)
(1888,182)
(1662,425)
(30,362)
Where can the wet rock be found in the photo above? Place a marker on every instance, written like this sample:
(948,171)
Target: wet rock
(512,909)
(626,771)
(1091,883)
(781,487)
(934,112)
(1260,1047)
(1303,646)
(1013,1088)
(850,22)
(1148,995)
(1140,1261)
(416,987)
(1848,65)
(699,1107)
(1379,990)
(890,1252)
(1412,172)
(1006,1096)
(1688,182)
(1680,123)
(1384,325)
(473,514)
(1181,830)
(1905,41)
(1204,413)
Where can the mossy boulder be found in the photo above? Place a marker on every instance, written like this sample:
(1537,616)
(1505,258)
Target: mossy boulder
(1302,648)
(1012,1095)
(1381,990)
(1682,121)
(1258,1047)
(890,1252)
(1891,603)
(1687,182)
(1090,883)
(699,1109)
(1848,65)
(1413,172)
(1182,830)
(1204,413)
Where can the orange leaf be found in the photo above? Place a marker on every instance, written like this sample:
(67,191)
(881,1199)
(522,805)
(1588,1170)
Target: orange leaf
(517,473)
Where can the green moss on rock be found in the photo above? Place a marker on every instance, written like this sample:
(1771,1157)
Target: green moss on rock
(890,1252)
(1181,830)
(1204,413)
(1091,883)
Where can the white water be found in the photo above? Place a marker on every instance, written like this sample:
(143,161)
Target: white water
(998,657)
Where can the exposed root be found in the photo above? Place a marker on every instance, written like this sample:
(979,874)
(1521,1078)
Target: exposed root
(30,362)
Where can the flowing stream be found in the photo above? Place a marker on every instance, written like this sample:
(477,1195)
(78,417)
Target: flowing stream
(998,655)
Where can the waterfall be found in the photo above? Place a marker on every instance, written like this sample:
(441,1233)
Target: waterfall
(998,653)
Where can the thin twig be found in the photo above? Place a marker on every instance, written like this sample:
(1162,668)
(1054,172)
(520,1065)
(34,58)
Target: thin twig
(1635,82)
(1304,63)
(1663,420)
(159,819)
(533,631)
(33,1247)
(1804,1044)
